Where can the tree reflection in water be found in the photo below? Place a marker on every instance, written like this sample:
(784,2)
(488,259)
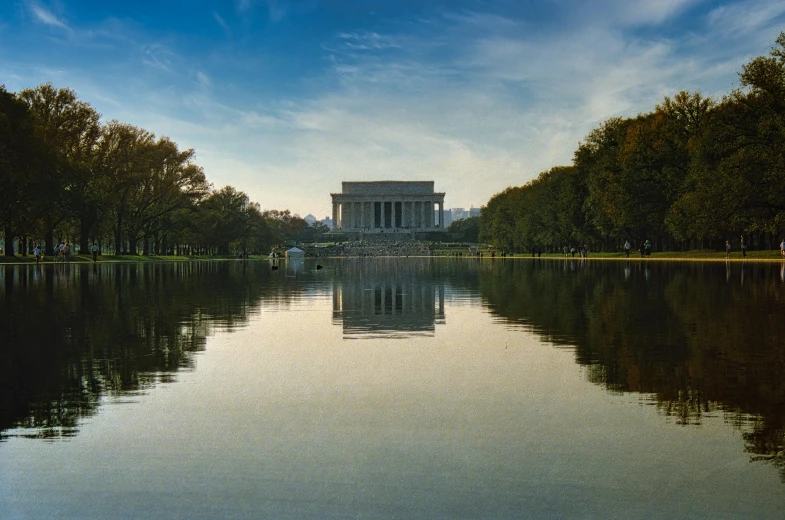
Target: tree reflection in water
(75,334)
(700,338)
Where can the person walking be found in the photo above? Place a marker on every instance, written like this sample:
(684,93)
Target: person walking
(37,253)
(627,248)
(94,251)
(66,252)
(727,249)
(647,246)
(743,247)
(782,247)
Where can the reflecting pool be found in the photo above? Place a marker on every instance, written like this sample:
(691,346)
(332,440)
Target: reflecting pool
(393,388)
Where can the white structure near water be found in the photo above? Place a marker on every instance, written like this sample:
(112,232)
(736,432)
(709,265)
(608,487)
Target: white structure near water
(295,253)
(388,206)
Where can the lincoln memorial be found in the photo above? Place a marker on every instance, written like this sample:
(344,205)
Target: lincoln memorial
(388,205)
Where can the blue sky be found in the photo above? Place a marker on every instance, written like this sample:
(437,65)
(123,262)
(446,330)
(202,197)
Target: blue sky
(284,99)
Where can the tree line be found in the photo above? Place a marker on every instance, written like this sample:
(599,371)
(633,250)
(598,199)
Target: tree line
(67,176)
(692,173)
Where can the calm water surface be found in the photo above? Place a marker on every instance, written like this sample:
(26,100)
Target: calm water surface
(411,388)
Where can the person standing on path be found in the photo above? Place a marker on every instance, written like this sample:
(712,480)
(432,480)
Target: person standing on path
(727,249)
(37,253)
(94,251)
(743,247)
(627,248)
(782,247)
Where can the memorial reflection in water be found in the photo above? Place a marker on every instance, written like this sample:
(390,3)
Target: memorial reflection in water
(387,297)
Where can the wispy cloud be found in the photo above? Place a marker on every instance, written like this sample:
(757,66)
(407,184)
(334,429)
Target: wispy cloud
(202,79)
(278,10)
(157,56)
(47,17)
(757,18)
(364,41)
(646,12)
(218,18)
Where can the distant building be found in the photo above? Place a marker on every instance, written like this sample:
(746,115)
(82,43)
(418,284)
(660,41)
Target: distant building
(459,214)
(327,221)
(388,206)
(447,218)
(310,219)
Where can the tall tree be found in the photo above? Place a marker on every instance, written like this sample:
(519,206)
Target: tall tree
(22,168)
(146,180)
(598,160)
(70,130)
(228,219)
(167,180)
(737,177)
(468,229)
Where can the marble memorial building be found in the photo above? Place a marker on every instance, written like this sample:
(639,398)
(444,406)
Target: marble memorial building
(379,206)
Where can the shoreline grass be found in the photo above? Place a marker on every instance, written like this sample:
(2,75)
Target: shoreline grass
(109,259)
(708,256)
(768,256)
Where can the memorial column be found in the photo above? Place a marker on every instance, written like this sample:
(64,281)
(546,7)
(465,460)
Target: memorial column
(392,214)
(365,214)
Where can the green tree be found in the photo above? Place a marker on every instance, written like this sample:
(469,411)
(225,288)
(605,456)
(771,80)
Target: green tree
(468,229)
(70,129)
(282,225)
(227,219)
(737,176)
(313,232)
(147,179)
(498,219)
(598,160)
(23,168)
